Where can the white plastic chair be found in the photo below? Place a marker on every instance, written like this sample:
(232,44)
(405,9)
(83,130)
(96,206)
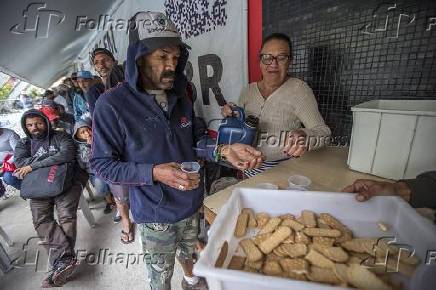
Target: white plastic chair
(84,206)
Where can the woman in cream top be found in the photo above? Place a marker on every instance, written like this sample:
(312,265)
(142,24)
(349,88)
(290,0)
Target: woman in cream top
(283,105)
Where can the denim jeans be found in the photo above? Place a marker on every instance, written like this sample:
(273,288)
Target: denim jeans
(11,180)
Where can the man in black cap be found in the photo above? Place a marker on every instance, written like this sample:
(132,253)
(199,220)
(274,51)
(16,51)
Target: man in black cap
(110,72)
(76,86)
(49,94)
(111,75)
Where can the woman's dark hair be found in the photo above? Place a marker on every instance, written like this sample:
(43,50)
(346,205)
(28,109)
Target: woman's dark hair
(279,36)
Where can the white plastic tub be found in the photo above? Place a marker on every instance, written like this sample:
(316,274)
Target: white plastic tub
(393,138)
(362,218)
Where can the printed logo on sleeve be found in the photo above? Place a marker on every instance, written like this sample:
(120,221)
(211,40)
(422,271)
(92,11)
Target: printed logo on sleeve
(185,122)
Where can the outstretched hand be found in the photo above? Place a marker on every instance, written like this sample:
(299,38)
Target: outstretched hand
(242,156)
(366,188)
(295,145)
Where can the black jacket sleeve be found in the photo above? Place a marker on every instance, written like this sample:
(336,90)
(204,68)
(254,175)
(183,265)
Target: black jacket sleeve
(423,190)
(66,153)
(94,92)
(108,144)
(22,155)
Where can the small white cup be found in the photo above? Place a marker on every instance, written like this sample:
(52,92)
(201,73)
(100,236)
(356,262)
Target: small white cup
(190,167)
(299,182)
(267,185)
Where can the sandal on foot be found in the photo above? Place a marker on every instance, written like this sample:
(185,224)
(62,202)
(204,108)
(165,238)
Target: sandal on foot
(128,237)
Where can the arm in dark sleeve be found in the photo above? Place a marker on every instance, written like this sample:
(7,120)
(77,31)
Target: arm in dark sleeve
(107,147)
(91,97)
(22,155)
(116,76)
(423,190)
(66,153)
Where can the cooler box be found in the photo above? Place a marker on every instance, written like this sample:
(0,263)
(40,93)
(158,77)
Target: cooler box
(405,224)
(394,139)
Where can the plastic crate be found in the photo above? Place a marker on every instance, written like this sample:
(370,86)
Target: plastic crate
(405,224)
(393,138)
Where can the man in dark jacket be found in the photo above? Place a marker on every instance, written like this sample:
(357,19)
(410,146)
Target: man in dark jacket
(43,147)
(110,72)
(111,75)
(143,130)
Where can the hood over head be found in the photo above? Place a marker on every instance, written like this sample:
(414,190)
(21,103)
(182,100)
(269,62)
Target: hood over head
(79,124)
(34,113)
(149,31)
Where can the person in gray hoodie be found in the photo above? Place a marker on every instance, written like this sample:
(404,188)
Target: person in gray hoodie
(44,147)
(83,137)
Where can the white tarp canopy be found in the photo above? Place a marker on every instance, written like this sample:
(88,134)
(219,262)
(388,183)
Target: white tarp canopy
(41,42)
(39,39)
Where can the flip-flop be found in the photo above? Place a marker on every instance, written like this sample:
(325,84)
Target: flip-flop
(127,234)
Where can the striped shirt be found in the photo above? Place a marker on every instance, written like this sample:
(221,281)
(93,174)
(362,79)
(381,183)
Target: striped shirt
(264,166)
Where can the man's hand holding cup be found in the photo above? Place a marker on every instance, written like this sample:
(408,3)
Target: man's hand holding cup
(173,175)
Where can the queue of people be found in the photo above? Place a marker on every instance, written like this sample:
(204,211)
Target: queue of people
(141,125)
(60,132)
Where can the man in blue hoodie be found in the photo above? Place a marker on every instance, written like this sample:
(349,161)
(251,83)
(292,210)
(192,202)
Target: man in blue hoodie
(143,130)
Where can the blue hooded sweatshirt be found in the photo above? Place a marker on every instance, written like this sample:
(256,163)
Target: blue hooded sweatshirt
(131,134)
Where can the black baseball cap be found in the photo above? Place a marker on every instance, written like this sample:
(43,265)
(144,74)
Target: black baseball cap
(99,50)
(48,92)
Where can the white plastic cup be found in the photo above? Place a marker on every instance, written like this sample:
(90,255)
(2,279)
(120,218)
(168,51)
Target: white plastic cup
(299,182)
(267,185)
(190,167)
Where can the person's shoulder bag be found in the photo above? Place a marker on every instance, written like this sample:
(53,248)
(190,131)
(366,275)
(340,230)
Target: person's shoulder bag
(47,182)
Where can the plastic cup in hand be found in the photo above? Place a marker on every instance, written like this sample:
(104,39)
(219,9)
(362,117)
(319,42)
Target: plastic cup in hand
(190,167)
(299,182)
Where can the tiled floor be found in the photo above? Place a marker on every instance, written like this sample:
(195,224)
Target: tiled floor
(125,270)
